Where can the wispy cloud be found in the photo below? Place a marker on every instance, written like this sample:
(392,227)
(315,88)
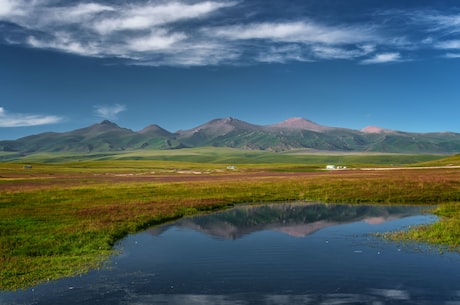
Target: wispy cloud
(146,16)
(304,32)
(109,112)
(13,8)
(436,21)
(154,41)
(449,44)
(213,32)
(64,41)
(383,58)
(284,53)
(328,52)
(141,31)
(82,13)
(21,119)
(442,30)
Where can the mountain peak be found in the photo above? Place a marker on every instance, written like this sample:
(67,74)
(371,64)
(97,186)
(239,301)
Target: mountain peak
(108,123)
(219,127)
(223,121)
(375,129)
(154,129)
(228,120)
(299,123)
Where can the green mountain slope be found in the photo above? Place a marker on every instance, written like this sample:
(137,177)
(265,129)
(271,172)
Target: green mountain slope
(296,133)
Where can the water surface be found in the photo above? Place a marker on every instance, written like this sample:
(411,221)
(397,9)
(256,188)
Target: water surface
(269,254)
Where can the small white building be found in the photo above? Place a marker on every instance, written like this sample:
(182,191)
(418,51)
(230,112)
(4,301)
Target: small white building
(331,166)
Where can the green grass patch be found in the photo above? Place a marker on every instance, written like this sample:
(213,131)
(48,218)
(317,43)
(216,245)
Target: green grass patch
(445,232)
(217,155)
(447,161)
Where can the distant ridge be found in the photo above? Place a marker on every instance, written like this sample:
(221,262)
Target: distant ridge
(293,133)
(300,123)
(375,129)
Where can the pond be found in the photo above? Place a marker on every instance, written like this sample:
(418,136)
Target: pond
(294,253)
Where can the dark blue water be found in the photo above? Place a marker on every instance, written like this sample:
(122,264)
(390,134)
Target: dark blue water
(275,254)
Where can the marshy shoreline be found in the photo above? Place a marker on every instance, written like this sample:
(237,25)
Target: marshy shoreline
(61,220)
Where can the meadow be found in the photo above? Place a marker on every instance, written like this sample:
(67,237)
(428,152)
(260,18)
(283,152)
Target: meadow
(60,215)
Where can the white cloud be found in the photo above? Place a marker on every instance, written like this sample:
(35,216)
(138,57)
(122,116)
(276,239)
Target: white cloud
(141,32)
(327,52)
(6,7)
(22,120)
(206,53)
(186,32)
(109,112)
(79,13)
(156,40)
(12,9)
(83,9)
(428,41)
(301,32)
(367,48)
(144,17)
(197,54)
(439,22)
(450,44)
(64,41)
(383,58)
(300,52)
(282,54)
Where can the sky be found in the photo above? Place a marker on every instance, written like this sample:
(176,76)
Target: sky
(67,64)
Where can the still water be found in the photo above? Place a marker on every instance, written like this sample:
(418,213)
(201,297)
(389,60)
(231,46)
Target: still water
(276,254)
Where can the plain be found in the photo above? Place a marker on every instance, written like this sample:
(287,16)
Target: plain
(61,214)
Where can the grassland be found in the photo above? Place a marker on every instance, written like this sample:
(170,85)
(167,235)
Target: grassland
(216,155)
(62,217)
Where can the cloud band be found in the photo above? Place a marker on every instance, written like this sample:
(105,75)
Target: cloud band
(24,120)
(209,32)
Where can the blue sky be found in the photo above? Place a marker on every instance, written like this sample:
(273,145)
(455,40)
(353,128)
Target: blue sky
(179,63)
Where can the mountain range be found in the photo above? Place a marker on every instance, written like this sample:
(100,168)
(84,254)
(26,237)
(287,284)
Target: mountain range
(293,133)
(297,219)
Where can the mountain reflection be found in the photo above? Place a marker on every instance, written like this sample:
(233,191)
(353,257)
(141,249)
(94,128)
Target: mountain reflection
(296,219)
